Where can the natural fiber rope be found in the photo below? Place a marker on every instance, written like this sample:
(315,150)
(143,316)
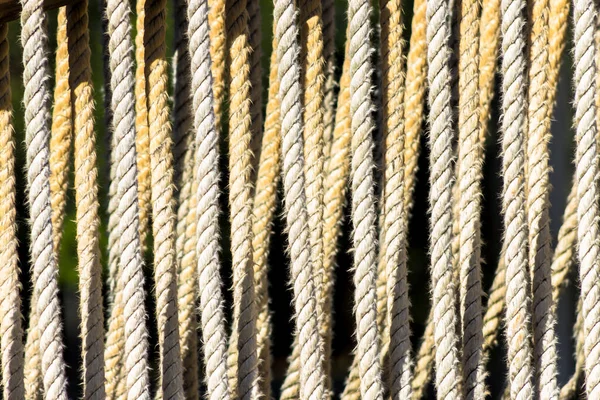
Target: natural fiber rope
(586,174)
(363,199)
(395,225)
(469,201)
(312,382)
(218,39)
(447,376)
(263,213)
(142,135)
(86,198)
(206,175)
(130,259)
(256,73)
(242,350)
(44,266)
(11,331)
(61,133)
(518,297)
(537,186)
(328,17)
(163,213)
(183,155)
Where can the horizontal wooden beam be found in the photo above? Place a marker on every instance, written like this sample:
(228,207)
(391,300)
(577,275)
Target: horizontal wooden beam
(10,9)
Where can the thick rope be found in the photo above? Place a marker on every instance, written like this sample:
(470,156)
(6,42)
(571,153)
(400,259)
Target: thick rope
(328,17)
(36,98)
(62,132)
(447,376)
(11,331)
(183,154)
(518,297)
(142,138)
(86,198)
(206,175)
(395,225)
(242,351)
(587,190)
(218,39)
(312,382)
(539,113)
(163,213)
(131,276)
(469,192)
(263,213)
(364,213)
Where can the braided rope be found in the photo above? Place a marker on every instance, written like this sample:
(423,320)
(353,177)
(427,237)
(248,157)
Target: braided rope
(207,176)
(131,276)
(86,193)
(11,331)
(183,155)
(242,350)
(586,173)
(518,296)
(447,374)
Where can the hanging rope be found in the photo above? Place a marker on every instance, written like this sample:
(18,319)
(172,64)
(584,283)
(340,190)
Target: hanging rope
(11,331)
(216,22)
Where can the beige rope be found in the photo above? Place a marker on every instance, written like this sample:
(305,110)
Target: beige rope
(11,331)
(216,22)
(86,197)
(328,16)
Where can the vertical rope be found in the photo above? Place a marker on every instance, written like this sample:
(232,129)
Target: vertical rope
(363,199)
(183,154)
(86,197)
(207,176)
(328,13)
(586,173)
(395,224)
(469,177)
(36,98)
(312,383)
(539,115)
(11,331)
(163,213)
(264,205)
(240,189)
(513,146)
(447,374)
(218,39)
(254,41)
(130,258)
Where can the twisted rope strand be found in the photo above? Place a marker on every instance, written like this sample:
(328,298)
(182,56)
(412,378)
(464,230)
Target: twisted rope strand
(11,331)
(218,39)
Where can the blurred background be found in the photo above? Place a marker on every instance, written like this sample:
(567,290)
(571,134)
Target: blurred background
(562,150)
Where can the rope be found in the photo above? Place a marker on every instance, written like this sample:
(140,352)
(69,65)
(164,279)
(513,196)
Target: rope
(447,375)
(469,177)
(328,17)
(263,213)
(312,383)
(44,266)
(61,132)
(513,146)
(363,199)
(11,331)
(86,193)
(539,114)
(395,224)
(254,30)
(207,212)
(130,259)
(216,22)
(243,341)
(586,173)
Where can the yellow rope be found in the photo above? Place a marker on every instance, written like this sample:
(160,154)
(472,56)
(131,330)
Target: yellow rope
(218,40)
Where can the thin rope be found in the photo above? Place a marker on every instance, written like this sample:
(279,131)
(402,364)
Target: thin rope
(86,197)
(131,276)
(518,298)
(36,98)
(207,177)
(183,155)
(242,350)
(539,115)
(328,17)
(586,173)
(447,376)
(11,331)
(256,72)
(265,197)
(218,39)
(312,383)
